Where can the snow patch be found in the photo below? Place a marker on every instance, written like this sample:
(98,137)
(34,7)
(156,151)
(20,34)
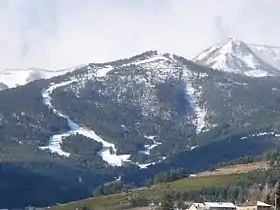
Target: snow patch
(193,96)
(193,147)
(118,178)
(54,144)
(149,147)
(265,133)
(150,137)
(149,60)
(104,71)
(146,165)
(257,73)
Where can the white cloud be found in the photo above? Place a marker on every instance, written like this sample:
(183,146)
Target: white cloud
(62,33)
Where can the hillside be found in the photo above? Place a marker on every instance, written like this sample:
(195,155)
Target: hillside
(204,180)
(154,193)
(235,169)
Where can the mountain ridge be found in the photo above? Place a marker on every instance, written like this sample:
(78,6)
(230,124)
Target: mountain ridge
(267,57)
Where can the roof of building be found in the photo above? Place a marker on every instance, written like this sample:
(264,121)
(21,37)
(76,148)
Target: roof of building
(219,204)
(254,203)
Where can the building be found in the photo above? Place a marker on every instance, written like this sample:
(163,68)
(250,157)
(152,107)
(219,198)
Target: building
(197,206)
(213,206)
(219,206)
(254,205)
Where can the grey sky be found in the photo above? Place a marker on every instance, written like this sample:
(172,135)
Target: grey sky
(62,33)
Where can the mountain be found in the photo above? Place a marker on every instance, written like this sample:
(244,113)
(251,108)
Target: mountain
(14,77)
(130,119)
(233,55)
(3,86)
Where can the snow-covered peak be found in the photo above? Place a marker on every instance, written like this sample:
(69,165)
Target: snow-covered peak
(233,55)
(17,77)
(230,45)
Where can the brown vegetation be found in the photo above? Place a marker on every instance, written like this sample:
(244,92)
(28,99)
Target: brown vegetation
(235,169)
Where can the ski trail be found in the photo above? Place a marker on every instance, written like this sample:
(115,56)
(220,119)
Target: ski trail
(192,94)
(107,153)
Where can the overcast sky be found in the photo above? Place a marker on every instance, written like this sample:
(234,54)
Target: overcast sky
(65,33)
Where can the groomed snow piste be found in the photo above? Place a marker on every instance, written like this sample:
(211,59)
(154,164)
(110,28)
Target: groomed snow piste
(107,153)
(193,95)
